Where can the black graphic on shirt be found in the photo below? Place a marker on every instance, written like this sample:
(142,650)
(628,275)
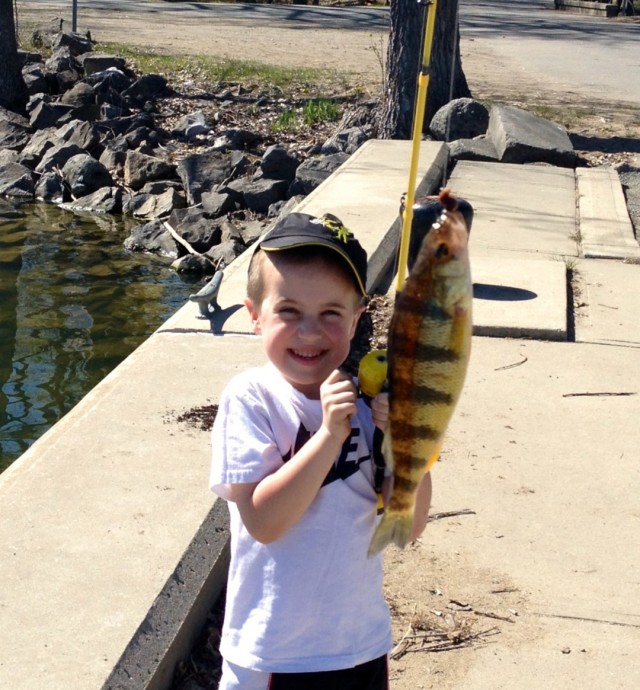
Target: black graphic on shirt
(348,461)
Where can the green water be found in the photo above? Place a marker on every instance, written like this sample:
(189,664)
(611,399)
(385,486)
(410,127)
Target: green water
(73,304)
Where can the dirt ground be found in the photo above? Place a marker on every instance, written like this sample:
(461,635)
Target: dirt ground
(443,607)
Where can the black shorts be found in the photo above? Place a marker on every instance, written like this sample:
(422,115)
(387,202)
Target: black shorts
(372,675)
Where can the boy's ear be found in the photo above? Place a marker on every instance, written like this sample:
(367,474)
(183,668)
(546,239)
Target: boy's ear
(255,317)
(356,318)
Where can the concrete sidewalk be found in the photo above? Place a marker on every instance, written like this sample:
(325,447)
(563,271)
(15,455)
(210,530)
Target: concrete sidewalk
(113,550)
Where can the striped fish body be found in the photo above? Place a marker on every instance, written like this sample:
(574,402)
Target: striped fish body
(429,345)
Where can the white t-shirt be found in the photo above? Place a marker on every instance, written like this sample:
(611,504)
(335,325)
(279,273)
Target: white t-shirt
(312,600)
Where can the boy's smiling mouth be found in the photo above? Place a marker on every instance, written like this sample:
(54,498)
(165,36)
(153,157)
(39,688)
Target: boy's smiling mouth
(307,356)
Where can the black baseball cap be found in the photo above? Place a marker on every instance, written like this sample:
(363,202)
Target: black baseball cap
(303,230)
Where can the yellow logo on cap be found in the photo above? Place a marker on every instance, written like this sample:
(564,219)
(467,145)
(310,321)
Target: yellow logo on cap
(335,225)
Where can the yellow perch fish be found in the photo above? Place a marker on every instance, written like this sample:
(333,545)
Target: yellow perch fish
(429,345)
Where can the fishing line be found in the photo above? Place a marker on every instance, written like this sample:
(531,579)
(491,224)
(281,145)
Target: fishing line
(454,41)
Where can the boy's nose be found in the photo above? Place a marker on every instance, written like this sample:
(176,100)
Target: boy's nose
(309,328)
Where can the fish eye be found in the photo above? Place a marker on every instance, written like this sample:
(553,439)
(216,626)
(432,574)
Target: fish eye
(441,250)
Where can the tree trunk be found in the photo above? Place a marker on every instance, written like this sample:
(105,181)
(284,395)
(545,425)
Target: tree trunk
(404,57)
(13,92)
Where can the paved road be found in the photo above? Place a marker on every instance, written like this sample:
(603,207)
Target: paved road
(353,18)
(593,57)
(590,56)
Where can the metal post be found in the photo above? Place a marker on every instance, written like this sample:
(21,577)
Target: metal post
(74,15)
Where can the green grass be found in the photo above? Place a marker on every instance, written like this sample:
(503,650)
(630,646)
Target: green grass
(568,117)
(312,112)
(209,69)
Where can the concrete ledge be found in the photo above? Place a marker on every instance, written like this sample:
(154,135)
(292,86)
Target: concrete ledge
(605,227)
(611,315)
(524,220)
(519,297)
(113,550)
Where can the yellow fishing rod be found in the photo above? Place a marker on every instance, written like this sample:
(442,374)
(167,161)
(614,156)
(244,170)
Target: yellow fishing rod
(418,120)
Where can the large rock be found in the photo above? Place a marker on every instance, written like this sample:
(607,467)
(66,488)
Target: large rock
(16,181)
(79,132)
(201,172)
(237,140)
(104,200)
(480,149)
(57,156)
(192,125)
(93,63)
(347,140)
(147,87)
(314,171)
(196,228)
(278,164)
(140,169)
(35,79)
(147,206)
(85,175)
(49,114)
(520,137)
(13,135)
(41,142)
(461,118)
(152,237)
(260,194)
(75,43)
(225,252)
(217,203)
(51,188)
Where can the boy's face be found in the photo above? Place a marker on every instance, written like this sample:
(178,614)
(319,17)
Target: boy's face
(307,319)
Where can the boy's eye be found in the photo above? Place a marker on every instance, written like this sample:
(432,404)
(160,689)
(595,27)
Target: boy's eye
(287,311)
(332,313)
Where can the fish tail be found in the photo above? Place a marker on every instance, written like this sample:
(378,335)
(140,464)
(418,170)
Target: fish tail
(395,527)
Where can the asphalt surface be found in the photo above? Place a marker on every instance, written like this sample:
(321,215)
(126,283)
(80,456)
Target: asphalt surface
(591,56)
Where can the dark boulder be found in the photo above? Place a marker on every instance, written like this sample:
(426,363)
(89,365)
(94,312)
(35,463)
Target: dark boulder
(277,163)
(85,175)
(140,168)
(202,172)
(314,171)
(461,118)
(16,181)
(152,237)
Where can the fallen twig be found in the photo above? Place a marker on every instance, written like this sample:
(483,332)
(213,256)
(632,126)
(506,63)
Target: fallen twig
(615,393)
(451,513)
(490,614)
(186,245)
(585,619)
(511,366)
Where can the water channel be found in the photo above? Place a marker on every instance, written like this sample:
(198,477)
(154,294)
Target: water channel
(73,304)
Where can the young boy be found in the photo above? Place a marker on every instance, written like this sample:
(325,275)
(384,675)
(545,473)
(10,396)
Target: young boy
(292,456)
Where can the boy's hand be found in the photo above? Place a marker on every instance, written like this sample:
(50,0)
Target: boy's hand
(338,396)
(380,410)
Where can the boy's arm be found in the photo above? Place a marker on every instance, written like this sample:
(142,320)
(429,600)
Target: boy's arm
(270,507)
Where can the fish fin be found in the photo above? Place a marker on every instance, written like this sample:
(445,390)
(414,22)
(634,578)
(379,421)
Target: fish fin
(460,329)
(433,459)
(393,528)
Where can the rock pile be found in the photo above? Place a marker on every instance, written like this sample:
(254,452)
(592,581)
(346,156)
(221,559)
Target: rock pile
(92,140)
(95,140)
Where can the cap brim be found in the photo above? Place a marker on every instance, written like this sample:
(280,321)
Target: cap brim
(294,241)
